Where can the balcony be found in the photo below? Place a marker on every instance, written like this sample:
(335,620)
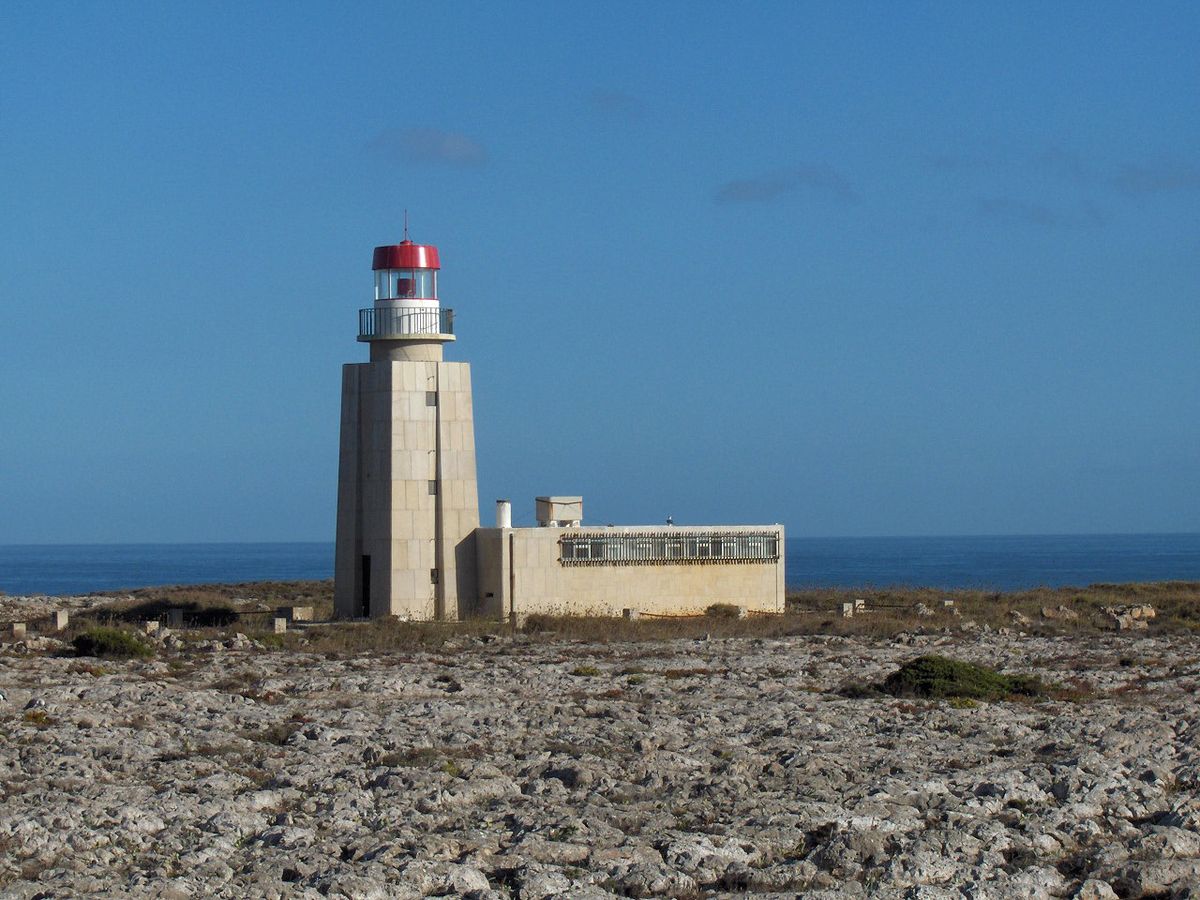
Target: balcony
(376,324)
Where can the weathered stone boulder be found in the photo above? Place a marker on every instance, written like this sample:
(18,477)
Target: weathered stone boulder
(1128,618)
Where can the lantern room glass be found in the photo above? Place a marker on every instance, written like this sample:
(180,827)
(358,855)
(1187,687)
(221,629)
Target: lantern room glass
(406,284)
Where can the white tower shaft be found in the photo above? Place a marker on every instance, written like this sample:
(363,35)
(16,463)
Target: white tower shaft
(408,501)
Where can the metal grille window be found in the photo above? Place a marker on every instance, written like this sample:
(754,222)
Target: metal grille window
(667,548)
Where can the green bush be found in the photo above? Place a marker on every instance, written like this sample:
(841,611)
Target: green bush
(939,677)
(112,643)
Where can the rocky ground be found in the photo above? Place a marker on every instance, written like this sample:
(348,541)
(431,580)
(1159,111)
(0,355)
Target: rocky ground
(31,609)
(532,766)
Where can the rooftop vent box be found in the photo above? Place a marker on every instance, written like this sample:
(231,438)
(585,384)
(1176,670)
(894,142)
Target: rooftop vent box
(559,512)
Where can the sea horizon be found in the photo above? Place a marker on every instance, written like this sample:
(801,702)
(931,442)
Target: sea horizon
(996,562)
(827,537)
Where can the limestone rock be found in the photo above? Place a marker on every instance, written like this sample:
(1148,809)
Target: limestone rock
(729,766)
(1060,612)
(1129,618)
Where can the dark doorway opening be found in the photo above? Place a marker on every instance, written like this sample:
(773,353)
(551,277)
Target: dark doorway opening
(365,598)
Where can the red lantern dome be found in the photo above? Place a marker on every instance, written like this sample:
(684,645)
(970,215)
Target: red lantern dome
(406,255)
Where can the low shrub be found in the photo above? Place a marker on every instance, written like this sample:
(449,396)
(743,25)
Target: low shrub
(585,671)
(939,677)
(277,734)
(538,623)
(111,643)
(199,610)
(857,690)
(672,674)
(412,757)
(443,758)
(216,616)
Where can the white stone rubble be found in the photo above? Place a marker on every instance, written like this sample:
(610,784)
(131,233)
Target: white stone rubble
(685,768)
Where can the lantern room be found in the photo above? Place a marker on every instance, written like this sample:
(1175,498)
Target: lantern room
(406,271)
(406,307)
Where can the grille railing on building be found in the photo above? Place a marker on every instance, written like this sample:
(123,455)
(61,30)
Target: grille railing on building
(667,548)
(380,322)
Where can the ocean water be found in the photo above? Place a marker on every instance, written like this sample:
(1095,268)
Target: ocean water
(79,568)
(1000,563)
(1005,563)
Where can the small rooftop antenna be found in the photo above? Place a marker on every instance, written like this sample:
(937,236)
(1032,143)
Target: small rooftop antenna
(406,224)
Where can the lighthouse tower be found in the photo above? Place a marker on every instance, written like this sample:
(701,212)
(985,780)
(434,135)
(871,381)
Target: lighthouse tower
(408,504)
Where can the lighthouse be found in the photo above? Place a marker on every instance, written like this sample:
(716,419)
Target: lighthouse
(408,501)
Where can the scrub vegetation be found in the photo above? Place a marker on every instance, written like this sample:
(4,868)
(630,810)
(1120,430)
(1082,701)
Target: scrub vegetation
(215,605)
(212,610)
(937,677)
(111,643)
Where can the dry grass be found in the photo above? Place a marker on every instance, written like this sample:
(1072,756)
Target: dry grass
(352,638)
(889,611)
(1177,606)
(244,599)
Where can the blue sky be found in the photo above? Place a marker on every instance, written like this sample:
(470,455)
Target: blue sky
(863,269)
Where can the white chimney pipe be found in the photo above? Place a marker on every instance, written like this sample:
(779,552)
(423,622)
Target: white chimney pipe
(503,514)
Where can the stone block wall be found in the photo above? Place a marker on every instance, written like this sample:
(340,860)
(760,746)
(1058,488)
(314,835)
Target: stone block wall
(407,494)
(520,573)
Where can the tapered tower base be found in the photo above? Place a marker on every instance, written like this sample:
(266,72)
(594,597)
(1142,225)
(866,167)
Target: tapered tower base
(408,503)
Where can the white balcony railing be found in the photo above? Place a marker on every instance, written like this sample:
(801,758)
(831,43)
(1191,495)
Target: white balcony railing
(398,322)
